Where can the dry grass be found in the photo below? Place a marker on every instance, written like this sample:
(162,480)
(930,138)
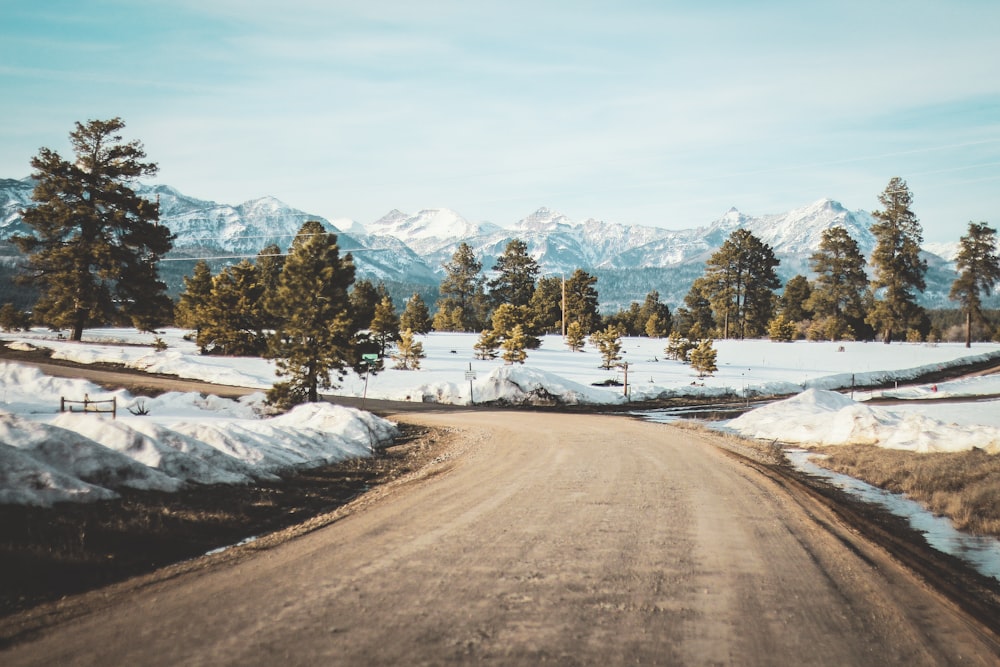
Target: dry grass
(963,486)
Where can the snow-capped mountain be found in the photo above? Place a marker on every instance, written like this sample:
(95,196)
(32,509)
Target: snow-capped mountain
(428,231)
(409,249)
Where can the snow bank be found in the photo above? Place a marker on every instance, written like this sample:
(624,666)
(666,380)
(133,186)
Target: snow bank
(822,417)
(48,457)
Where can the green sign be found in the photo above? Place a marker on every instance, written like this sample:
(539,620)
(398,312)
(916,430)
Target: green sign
(369,357)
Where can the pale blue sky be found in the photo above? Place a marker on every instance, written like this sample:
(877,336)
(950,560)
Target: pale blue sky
(639,112)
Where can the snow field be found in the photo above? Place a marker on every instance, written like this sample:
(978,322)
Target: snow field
(46,457)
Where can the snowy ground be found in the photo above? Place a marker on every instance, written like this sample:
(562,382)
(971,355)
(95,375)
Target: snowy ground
(46,457)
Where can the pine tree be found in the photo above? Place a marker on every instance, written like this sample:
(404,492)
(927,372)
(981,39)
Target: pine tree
(364,299)
(781,329)
(487,344)
(14,319)
(696,320)
(978,271)
(838,293)
(899,270)
(96,243)
(463,288)
(409,352)
(507,316)
(575,337)
(795,299)
(678,347)
(652,306)
(608,342)
(582,301)
(415,316)
(189,311)
(385,324)
(656,327)
(233,318)
(739,282)
(317,334)
(270,261)
(546,305)
(514,345)
(703,358)
(516,274)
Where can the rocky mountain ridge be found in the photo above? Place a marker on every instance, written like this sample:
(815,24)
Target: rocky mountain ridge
(409,249)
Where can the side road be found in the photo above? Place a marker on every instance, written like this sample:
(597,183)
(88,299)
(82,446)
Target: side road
(575,539)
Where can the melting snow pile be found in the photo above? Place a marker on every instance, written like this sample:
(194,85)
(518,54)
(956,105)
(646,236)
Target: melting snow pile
(828,418)
(48,457)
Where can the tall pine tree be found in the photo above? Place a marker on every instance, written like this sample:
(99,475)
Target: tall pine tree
(899,269)
(516,274)
(189,311)
(837,298)
(978,271)
(96,243)
(316,334)
(463,289)
(739,282)
(415,315)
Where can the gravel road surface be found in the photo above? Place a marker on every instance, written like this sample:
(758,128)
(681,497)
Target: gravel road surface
(541,537)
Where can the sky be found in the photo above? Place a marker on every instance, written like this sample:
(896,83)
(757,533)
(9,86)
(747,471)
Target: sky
(640,112)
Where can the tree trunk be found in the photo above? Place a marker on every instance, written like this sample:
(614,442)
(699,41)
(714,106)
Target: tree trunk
(968,328)
(887,336)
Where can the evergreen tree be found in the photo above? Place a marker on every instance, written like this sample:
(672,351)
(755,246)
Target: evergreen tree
(463,288)
(189,311)
(546,305)
(795,299)
(14,319)
(781,329)
(609,343)
(516,274)
(678,347)
(96,243)
(415,316)
(656,327)
(409,352)
(978,271)
(507,316)
(739,282)
(270,261)
(514,346)
(364,299)
(317,334)
(696,319)
(448,319)
(385,324)
(233,317)
(582,301)
(653,307)
(703,358)
(575,337)
(838,293)
(487,344)
(899,270)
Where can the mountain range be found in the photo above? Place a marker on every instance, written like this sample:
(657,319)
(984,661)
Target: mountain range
(407,250)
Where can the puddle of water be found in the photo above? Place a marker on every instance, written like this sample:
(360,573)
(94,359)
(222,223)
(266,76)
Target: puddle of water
(983,553)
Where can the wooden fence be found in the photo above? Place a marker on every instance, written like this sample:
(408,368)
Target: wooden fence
(109,406)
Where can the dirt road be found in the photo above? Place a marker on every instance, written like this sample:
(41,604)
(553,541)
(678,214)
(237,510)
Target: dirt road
(569,539)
